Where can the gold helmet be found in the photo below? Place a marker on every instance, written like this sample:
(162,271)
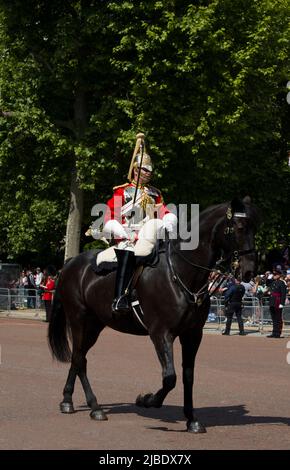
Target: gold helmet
(137,155)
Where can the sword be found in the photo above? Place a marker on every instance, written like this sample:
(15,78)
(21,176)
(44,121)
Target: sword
(140,167)
(141,148)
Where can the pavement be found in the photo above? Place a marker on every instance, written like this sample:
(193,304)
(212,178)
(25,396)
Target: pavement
(210,327)
(25,314)
(241,395)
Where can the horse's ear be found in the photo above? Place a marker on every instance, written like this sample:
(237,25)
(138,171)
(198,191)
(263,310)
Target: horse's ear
(237,205)
(252,211)
(247,200)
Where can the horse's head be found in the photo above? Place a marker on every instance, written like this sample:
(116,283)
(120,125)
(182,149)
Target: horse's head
(237,237)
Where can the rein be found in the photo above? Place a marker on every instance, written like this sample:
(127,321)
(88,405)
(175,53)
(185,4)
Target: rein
(192,297)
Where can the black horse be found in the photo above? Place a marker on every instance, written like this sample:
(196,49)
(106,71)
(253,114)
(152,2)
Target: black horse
(173,296)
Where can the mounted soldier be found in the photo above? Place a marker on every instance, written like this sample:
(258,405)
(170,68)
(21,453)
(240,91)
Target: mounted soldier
(136,217)
(169,295)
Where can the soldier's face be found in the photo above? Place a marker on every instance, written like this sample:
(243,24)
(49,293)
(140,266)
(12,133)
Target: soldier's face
(145,175)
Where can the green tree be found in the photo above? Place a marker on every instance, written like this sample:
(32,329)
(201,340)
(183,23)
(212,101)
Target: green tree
(208,82)
(205,81)
(57,86)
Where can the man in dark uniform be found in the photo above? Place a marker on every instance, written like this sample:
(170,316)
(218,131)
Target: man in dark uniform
(277,290)
(233,302)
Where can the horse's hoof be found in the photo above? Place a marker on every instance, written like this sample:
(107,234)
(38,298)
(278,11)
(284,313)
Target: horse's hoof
(140,401)
(98,415)
(144,400)
(196,427)
(66,407)
(147,401)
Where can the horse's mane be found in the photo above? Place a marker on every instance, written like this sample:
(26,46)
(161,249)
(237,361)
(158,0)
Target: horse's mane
(213,208)
(237,205)
(219,211)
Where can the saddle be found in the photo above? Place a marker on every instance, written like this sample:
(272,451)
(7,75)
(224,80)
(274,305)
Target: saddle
(150,260)
(142,262)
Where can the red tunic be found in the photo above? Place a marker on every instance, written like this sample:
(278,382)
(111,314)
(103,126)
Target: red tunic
(117,201)
(49,286)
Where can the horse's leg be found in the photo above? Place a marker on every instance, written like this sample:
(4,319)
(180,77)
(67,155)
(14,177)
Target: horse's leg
(190,341)
(66,406)
(164,348)
(89,340)
(85,338)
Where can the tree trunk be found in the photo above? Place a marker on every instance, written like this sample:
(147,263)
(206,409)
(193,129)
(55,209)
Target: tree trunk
(74,221)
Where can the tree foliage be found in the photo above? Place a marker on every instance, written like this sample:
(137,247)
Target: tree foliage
(205,81)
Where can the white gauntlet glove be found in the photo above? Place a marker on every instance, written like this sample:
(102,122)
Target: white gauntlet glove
(170,222)
(115,229)
(281,306)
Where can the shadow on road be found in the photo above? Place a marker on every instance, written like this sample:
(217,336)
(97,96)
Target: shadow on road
(236,415)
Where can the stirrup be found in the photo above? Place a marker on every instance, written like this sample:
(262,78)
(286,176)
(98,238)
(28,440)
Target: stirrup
(121,304)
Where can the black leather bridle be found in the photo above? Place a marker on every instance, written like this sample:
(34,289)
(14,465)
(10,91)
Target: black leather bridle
(232,261)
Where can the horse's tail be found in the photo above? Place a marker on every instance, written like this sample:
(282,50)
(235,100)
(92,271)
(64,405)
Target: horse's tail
(57,331)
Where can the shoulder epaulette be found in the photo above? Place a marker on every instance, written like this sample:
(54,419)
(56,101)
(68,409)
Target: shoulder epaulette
(155,191)
(121,186)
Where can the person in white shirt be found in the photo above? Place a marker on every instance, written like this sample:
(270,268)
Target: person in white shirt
(38,277)
(249,288)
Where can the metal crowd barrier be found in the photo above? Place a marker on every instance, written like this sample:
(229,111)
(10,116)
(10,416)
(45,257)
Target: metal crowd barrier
(256,314)
(20,299)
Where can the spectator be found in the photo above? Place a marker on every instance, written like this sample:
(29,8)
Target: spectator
(233,302)
(23,279)
(269,278)
(31,286)
(48,287)
(38,277)
(38,280)
(259,291)
(22,283)
(249,288)
(260,287)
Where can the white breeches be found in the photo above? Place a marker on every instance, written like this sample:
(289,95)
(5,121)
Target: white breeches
(147,238)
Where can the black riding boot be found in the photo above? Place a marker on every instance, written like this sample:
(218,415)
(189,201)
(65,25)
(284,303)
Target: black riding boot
(228,326)
(125,271)
(241,326)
